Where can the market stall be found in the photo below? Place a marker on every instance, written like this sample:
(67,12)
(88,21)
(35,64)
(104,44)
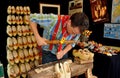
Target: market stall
(19,51)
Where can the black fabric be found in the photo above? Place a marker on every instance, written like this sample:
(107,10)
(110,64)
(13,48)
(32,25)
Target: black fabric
(114,69)
(106,66)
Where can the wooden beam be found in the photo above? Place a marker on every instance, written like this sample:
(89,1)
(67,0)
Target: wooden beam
(47,70)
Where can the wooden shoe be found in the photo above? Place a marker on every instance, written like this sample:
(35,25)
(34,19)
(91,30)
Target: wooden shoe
(67,70)
(10,43)
(9,30)
(89,74)
(10,57)
(59,70)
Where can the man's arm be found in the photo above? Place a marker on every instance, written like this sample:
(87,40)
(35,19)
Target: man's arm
(61,53)
(33,26)
(67,48)
(39,39)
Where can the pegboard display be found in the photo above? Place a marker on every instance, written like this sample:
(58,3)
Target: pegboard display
(22,52)
(112,30)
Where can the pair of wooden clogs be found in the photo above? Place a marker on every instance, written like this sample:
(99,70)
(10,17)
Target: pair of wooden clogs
(63,71)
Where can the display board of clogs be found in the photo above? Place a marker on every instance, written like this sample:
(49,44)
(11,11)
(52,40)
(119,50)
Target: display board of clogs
(21,47)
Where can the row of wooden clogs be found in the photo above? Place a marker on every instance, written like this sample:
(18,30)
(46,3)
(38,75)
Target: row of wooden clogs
(18,10)
(21,42)
(22,55)
(20,70)
(12,19)
(19,30)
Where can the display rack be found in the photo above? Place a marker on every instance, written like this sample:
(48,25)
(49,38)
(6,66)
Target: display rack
(22,52)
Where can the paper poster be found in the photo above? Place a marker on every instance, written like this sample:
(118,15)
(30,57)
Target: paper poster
(112,31)
(75,6)
(99,10)
(115,17)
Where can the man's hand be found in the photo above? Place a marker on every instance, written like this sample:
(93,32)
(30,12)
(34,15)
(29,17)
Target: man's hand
(41,41)
(60,54)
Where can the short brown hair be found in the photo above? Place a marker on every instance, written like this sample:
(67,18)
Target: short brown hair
(80,20)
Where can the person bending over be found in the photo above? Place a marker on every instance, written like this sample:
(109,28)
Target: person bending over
(57,27)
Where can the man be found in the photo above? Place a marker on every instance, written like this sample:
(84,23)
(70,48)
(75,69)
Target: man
(57,27)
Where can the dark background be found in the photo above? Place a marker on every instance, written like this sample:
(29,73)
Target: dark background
(97,28)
